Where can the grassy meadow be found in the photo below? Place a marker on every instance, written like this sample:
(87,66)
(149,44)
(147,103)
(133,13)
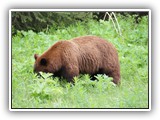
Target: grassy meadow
(29,91)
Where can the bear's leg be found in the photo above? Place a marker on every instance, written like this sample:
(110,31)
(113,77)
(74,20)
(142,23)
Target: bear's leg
(115,74)
(116,77)
(70,73)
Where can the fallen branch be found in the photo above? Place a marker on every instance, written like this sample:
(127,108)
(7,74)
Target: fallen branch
(118,30)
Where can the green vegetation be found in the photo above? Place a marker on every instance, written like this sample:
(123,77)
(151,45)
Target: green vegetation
(29,91)
(41,21)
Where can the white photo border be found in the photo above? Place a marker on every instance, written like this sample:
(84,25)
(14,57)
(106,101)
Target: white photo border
(80,109)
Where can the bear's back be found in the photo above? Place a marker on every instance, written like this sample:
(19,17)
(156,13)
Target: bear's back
(92,50)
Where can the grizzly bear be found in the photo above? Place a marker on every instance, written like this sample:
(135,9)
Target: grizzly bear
(82,55)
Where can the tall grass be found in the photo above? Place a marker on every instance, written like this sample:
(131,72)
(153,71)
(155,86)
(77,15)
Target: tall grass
(29,91)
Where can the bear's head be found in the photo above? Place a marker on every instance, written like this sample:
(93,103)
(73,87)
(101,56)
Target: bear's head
(49,62)
(42,64)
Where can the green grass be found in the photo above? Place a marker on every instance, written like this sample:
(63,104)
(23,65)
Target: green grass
(29,91)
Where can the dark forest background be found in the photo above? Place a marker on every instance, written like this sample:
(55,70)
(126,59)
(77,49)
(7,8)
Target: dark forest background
(42,21)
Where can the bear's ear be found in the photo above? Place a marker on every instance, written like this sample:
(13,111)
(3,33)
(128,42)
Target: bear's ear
(43,62)
(36,56)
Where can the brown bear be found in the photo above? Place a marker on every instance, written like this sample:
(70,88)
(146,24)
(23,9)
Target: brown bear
(82,55)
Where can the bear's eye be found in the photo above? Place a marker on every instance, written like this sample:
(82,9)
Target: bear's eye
(43,62)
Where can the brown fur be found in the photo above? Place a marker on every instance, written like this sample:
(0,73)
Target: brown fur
(87,55)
